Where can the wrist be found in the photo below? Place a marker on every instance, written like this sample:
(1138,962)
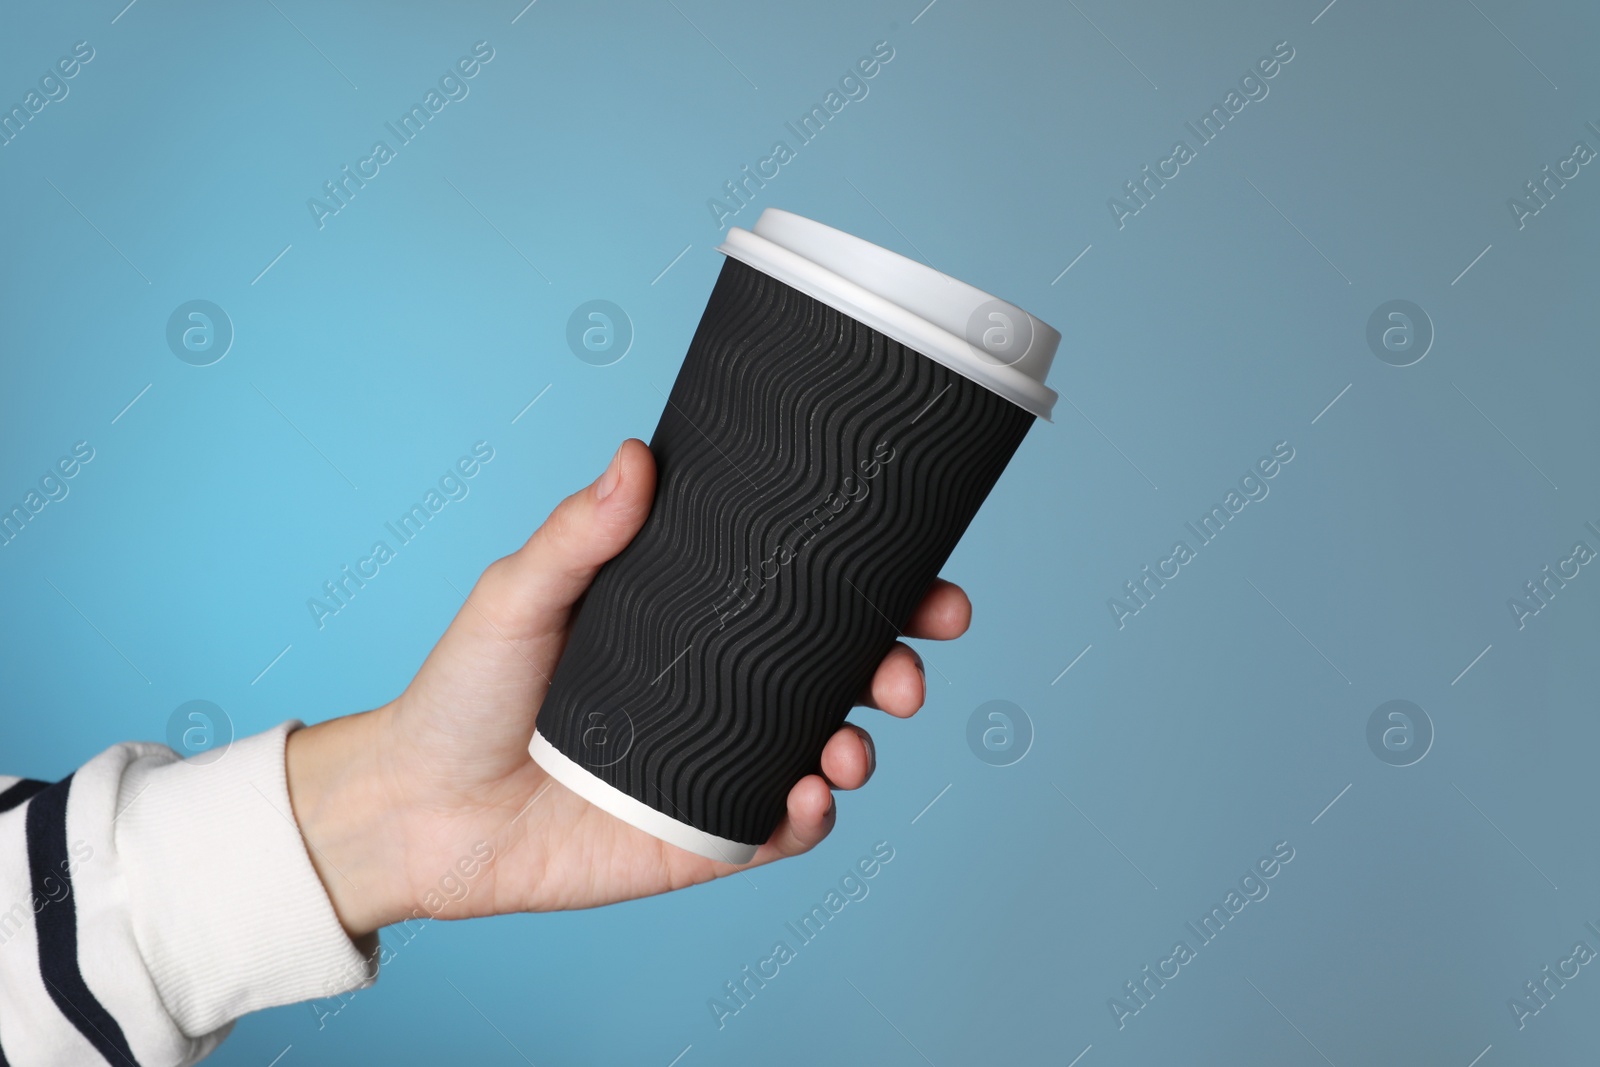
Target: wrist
(350,826)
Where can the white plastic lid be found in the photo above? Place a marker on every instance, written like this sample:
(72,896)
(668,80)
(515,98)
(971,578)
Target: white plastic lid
(981,337)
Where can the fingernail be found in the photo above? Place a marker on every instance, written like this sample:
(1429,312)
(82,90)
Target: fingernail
(917,659)
(833,806)
(608,481)
(872,753)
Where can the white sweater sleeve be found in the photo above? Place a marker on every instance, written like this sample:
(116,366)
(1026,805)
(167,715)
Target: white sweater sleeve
(147,902)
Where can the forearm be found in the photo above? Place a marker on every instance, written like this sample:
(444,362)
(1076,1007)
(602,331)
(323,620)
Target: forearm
(354,833)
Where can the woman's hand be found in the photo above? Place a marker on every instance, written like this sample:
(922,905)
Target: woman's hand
(431,805)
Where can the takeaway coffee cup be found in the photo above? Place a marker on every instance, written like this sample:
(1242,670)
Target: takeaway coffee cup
(840,415)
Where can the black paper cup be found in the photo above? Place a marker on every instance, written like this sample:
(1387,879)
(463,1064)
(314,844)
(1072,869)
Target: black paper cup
(840,416)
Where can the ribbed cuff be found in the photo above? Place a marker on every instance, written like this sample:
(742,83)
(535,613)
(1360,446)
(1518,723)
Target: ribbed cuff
(228,911)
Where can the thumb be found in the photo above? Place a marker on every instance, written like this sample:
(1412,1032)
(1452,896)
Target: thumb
(530,593)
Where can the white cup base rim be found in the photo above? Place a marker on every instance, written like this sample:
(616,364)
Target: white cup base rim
(610,799)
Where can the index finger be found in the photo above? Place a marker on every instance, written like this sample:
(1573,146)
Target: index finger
(945,613)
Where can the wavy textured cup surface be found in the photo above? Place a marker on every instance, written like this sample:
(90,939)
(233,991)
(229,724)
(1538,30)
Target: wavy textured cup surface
(813,475)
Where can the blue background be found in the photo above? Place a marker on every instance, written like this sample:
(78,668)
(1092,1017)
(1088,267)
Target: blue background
(1221,319)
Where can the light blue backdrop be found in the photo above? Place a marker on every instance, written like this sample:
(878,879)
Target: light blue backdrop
(1221,319)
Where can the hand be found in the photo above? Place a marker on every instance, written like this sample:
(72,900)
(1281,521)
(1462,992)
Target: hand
(399,804)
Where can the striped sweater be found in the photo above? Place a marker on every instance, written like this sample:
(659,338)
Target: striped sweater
(147,902)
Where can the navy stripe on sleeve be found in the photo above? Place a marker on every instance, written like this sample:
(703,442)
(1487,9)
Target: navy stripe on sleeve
(12,796)
(56,920)
(17,793)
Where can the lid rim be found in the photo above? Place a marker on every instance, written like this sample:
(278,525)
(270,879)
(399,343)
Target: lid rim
(926,328)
